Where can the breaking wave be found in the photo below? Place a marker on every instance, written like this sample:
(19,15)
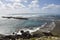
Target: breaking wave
(32,30)
(49,28)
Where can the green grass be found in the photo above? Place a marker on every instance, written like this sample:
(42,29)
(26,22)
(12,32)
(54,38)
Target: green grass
(43,38)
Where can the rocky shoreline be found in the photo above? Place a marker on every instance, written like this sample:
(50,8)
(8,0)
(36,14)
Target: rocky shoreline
(53,35)
(35,38)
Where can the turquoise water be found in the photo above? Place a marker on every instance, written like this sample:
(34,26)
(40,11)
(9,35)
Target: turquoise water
(8,26)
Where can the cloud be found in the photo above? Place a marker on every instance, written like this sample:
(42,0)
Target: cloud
(51,8)
(34,4)
(15,6)
(10,8)
(18,6)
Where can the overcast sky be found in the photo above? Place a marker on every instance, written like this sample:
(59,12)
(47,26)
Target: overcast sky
(29,6)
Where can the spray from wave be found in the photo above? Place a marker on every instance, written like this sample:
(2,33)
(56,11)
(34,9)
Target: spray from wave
(32,30)
(49,28)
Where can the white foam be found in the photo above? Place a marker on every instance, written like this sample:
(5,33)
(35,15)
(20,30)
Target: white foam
(32,30)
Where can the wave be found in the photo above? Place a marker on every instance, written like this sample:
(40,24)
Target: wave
(49,28)
(32,30)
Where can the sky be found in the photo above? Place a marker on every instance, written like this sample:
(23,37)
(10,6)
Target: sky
(29,6)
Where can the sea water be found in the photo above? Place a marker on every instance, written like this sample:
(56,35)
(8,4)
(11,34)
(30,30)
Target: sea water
(8,26)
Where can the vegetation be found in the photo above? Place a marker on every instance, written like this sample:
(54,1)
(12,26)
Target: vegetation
(43,38)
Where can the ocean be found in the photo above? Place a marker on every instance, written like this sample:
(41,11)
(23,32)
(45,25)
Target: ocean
(8,26)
